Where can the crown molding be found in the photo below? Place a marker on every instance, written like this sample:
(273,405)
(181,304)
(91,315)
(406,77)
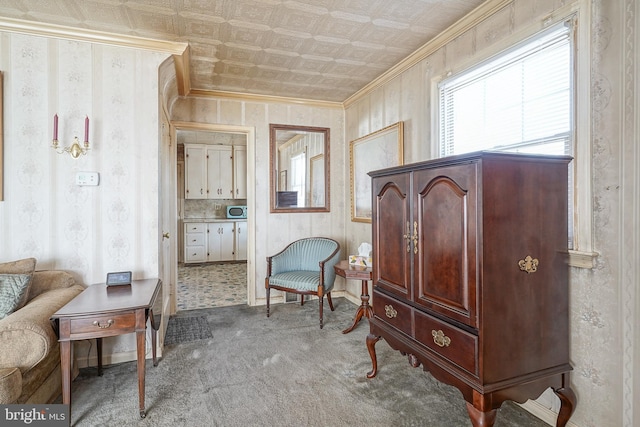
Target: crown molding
(183,70)
(91,36)
(239,96)
(469,21)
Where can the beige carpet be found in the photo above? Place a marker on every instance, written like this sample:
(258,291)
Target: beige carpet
(280,371)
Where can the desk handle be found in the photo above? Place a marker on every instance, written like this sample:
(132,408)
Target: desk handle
(109,323)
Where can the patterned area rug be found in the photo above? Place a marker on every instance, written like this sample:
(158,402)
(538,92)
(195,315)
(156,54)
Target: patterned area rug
(188,328)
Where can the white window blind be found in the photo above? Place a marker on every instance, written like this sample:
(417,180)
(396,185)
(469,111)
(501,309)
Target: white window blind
(521,100)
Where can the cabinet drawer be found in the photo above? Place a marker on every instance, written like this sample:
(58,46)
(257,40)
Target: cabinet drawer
(193,239)
(392,312)
(103,325)
(195,227)
(194,254)
(452,343)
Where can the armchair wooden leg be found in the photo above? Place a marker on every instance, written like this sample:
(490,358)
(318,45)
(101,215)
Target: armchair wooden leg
(321,299)
(330,302)
(267,301)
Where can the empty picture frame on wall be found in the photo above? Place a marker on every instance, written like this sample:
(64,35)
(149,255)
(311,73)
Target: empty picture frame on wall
(1,137)
(378,150)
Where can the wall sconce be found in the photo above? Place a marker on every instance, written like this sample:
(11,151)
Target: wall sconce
(75,149)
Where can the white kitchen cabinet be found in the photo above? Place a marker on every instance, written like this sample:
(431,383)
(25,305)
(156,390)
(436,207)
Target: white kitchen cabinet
(195,182)
(219,172)
(240,171)
(209,172)
(241,241)
(215,241)
(195,238)
(220,241)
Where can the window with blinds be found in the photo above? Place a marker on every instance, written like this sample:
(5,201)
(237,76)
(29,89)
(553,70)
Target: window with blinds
(520,100)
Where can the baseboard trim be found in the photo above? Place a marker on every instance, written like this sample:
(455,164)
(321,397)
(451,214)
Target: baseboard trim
(542,412)
(110,359)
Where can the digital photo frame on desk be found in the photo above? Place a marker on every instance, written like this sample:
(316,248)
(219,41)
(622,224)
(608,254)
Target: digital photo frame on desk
(121,278)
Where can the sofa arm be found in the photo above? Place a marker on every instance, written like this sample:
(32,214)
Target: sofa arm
(47,280)
(27,335)
(10,385)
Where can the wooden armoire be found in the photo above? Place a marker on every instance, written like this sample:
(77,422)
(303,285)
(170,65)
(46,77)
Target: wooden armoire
(470,275)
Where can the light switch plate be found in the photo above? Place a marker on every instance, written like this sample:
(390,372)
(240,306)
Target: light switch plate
(87,178)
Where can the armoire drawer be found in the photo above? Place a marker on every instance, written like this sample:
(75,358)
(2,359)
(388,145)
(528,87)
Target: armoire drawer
(452,343)
(392,312)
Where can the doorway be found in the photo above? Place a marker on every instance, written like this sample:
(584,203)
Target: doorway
(213,284)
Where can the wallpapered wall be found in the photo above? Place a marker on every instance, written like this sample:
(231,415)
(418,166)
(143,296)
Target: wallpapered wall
(274,231)
(86,230)
(602,308)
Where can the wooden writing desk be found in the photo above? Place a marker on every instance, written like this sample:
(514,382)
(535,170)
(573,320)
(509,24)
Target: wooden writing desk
(100,311)
(348,271)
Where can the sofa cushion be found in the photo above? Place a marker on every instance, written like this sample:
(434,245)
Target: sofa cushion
(14,290)
(22,266)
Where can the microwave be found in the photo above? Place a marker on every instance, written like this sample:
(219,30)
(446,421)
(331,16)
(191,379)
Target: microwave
(236,211)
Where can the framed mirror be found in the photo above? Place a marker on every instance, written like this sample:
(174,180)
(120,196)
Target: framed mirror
(299,157)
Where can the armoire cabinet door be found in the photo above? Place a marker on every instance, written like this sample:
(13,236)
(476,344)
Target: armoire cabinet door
(446,212)
(392,234)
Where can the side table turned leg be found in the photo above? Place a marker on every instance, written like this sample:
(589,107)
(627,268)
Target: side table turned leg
(364,309)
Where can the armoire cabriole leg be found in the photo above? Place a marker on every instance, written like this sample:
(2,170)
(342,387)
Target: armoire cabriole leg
(371,342)
(479,418)
(567,405)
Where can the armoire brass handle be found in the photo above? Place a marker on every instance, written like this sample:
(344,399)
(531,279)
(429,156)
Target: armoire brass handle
(440,339)
(390,312)
(530,265)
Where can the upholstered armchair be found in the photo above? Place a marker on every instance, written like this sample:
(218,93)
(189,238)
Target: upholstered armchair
(304,267)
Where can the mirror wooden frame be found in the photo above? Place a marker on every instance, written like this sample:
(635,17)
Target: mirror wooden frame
(277,173)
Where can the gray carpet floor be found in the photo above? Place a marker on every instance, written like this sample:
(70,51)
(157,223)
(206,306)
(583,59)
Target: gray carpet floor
(250,370)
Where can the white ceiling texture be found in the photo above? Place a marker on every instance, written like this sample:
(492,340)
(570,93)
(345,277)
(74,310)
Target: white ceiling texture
(324,50)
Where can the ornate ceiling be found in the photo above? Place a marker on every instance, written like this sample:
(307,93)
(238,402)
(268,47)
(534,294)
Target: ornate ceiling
(323,50)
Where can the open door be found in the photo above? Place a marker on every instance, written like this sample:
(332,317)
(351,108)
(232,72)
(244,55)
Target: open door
(168,242)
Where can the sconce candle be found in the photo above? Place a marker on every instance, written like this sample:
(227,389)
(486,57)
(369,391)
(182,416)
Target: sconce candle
(86,129)
(75,149)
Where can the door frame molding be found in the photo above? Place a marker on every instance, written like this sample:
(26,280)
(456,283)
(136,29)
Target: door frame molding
(250,133)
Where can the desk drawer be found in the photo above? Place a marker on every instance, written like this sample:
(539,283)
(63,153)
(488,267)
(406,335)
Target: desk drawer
(392,311)
(450,342)
(104,325)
